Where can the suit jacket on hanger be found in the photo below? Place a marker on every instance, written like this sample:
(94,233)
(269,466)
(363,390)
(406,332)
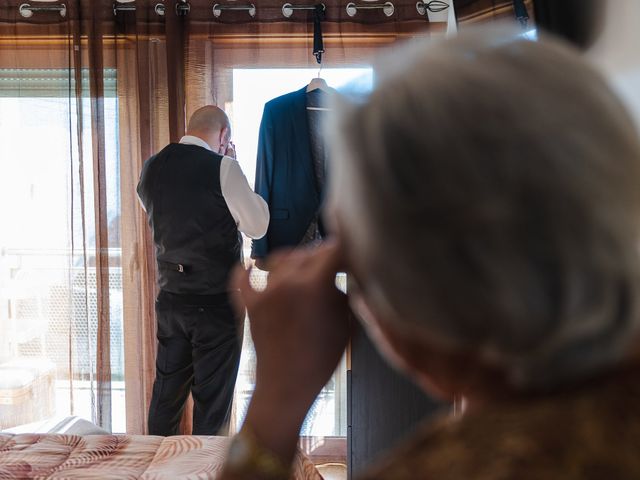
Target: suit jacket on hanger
(284,173)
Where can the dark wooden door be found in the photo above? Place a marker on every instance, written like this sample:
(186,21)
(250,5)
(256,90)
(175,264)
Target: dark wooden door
(383,406)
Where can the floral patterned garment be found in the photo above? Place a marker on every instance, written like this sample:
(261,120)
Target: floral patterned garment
(589,433)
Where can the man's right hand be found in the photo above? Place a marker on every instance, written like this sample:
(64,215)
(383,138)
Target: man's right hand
(231,150)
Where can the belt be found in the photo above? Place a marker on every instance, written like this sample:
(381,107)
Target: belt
(193,299)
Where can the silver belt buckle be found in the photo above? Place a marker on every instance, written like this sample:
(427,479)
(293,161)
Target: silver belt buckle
(180,268)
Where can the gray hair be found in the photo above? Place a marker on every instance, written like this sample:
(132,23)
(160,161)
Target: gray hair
(491,191)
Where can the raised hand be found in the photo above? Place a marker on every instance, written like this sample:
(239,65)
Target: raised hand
(300,328)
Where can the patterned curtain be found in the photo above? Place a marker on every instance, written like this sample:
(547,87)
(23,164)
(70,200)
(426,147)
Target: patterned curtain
(60,280)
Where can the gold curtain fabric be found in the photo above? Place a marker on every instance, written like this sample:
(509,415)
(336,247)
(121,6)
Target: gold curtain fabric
(156,70)
(71,47)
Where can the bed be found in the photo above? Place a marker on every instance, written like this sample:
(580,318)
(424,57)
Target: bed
(49,457)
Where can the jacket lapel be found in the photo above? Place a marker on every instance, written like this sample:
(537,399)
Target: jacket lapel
(300,123)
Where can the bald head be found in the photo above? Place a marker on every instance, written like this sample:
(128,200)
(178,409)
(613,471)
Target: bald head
(212,125)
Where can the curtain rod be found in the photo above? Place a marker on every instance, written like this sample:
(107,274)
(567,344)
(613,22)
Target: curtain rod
(160,8)
(387,8)
(287,8)
(183,8)
(123,7)
(27,11)
(250,9)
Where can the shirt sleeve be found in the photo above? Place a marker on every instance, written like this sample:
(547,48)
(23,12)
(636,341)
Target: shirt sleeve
(249,210)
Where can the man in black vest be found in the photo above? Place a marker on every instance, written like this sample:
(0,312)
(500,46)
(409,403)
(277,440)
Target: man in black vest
(198,200)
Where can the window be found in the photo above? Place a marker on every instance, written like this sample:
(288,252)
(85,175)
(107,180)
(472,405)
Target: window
(48,301)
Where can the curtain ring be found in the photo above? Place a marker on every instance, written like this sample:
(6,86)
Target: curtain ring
(287,10)
(434,6)
(250,9)
(183,8)
(123,6)
(25,10)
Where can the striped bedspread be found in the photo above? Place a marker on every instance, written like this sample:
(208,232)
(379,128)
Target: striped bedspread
(34,456)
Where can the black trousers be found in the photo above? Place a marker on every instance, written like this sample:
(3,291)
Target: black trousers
(199,341)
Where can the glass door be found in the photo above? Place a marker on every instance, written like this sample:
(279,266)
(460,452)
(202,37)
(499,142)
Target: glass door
(325,428)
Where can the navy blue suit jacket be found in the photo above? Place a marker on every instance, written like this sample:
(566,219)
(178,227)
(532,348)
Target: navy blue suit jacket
(284,173)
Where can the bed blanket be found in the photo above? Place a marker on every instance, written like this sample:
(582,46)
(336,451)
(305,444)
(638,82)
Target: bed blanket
(48,457)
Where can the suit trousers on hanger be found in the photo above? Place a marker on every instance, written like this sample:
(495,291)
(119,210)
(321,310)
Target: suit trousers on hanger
(199,341)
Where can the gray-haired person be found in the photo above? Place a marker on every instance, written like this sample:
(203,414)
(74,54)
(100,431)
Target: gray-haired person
(486,203)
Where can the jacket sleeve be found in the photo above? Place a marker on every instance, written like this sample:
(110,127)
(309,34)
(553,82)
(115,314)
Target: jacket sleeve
(264,175)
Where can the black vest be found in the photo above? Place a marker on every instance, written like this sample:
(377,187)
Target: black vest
(193,230)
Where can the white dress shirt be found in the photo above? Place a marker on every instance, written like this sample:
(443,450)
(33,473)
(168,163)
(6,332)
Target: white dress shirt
(248,209)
